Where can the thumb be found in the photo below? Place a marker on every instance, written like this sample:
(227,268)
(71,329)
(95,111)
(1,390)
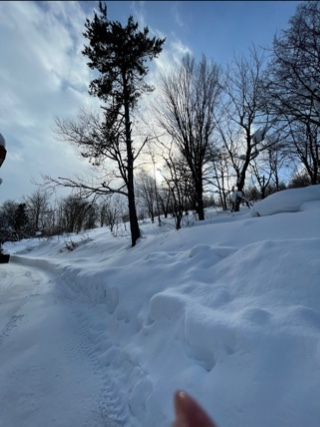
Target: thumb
(189,413)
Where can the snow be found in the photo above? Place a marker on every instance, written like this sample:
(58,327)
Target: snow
(227,309)
(291,200)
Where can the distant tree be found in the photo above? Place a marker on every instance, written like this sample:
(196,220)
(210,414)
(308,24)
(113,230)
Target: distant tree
(112,212)
(91,216)
(190,95)
(77,214)
(245,122)
(164,199)
(147,193)
(20,220)
(178,184)
(48,224)
(265,169)
(299,179)
(7,214)
(8,209)
(37,207)
(220,175)
(118,54)
(303,147)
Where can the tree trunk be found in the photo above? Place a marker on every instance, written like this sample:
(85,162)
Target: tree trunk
(240,186)
(133,218)
(198,180)
(200,206)
(134,225)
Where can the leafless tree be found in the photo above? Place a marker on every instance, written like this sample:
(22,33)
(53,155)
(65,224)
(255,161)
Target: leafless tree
(265,169)
(37,207)
(147,193)
(220,177)
(164,199)
(112,212)
(189,96)
(177,185)
(303,146)
(244,121)
(293,86)
(89,132)
(76,214)
(293,82)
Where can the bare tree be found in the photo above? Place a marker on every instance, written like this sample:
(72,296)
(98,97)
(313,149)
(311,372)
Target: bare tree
(189,97)
(77,214)
(219,176)
(164,199)
(245,122)
(37,206)
(112,212)
(293,75)
(147,193)
(48,222)
(178,185)
(303,144)
(293,86)
(265,169)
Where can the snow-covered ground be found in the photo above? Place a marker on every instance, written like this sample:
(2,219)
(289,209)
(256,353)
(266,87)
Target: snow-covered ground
(47,373)
(227,309)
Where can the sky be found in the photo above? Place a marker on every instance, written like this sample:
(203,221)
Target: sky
(227,309)
(43,74)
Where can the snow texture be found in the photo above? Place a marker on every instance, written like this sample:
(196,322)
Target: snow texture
(227,309)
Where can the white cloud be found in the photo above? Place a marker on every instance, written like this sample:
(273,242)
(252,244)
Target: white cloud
(173,50)
(42,75)
(139,12)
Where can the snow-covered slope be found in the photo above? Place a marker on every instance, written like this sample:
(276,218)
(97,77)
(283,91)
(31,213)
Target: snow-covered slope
(227,309)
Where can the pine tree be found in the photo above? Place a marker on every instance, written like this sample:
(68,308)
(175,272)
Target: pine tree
(119,54)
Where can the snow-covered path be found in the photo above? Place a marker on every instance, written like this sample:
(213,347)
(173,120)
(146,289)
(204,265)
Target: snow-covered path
(47,374)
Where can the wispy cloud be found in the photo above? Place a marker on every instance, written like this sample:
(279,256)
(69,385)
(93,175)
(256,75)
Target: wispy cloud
(170,58)
(42,75)
(138,11)
(176,14)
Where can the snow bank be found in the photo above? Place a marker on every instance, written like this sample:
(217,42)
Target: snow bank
(227,310)
(291,200)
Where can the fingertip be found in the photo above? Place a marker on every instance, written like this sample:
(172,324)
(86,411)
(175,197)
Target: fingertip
(189,413)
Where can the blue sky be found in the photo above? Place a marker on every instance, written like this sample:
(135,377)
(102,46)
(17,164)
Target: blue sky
(44,75)
(216,28)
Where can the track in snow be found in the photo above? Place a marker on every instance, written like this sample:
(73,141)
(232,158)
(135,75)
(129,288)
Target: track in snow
(47,375)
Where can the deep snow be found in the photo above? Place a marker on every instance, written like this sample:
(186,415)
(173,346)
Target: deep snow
(227,309)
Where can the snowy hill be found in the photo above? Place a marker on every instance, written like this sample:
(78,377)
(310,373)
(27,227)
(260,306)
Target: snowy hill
(227,309)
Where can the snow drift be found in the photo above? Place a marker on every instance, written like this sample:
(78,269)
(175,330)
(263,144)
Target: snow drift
(228,310)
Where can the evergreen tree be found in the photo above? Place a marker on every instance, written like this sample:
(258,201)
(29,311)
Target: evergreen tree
(119,54)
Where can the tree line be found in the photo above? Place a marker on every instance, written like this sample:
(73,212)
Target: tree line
(250,125)
(39,216)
